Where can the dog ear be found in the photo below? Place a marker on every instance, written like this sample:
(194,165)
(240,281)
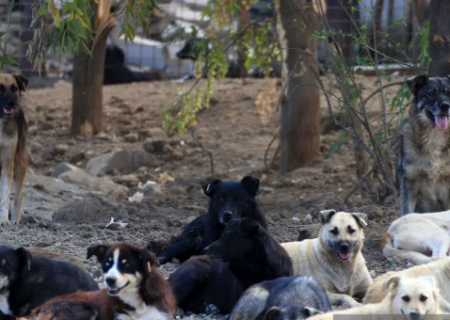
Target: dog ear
(99,251)
(147,259)
(361,219)
(248,226)
(272,314)
(415,83)
(24,258)
(392,283)
(251,184)
(211,188)
(22,82)
(309,312)
(326,215)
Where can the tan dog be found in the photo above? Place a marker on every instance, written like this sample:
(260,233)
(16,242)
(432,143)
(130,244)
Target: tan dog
(334,259)
(407,298)
(440,270)
(13,153)
(402,241)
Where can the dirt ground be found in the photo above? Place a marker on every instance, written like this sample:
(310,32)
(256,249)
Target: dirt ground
(231,129)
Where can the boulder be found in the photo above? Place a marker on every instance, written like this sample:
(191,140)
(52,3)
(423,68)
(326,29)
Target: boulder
(124,160)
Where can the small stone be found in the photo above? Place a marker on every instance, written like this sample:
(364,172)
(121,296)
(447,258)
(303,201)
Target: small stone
(77,157)
(154,145)
(131,138)
(372,273)
(308,218)
(61,149)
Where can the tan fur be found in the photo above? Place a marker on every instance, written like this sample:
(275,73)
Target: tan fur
(13,149)
(440,270)
(402,241)
(393,306)
(343,280)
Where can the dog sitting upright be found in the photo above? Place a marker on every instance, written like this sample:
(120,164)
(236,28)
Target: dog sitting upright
(334,259)
(424,156)
(13,144)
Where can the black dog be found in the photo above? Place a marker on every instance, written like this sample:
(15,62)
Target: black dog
(116,72)
(228,200)
(284,298)
(247,255)
(27,281)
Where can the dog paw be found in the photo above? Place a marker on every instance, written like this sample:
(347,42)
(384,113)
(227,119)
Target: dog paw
(5,222)
(212,310)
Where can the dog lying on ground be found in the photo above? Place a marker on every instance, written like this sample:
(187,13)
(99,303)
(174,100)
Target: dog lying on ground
(440,270)
(134,290)
(245,254)
(401,240)
(227,200)
(13,156)
(334,259)
(406,299)
(28,280)
(424,155)
(282,298)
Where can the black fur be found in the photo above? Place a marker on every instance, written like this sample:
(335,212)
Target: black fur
(32,280)
(116,71)
(290,298)
(228,200)
(200,282)
(253,255)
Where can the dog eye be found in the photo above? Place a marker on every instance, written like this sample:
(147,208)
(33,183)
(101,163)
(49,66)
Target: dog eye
(350,230)
(335,231)
(447,92)
(13,88)
(124,261)
(423,298)
(406,298)
(107,264)
(432,93)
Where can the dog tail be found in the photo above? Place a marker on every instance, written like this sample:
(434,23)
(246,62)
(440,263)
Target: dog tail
(390,252)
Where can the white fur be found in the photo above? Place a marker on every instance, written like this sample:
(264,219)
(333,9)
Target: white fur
(4,305)
(6,144)
(147,313)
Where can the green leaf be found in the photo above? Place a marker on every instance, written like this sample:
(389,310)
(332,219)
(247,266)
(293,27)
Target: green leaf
(9,61)
(55,12)
(43,9)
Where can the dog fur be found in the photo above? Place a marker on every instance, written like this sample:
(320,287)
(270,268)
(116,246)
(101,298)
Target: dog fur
(282,299)
(342,234)
(406,299)
(440,270)
(134,290)
(13,144)
(401,240)
(424,155)
(27,281)
(227,200)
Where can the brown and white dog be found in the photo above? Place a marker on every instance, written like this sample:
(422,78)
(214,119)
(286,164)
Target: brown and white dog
(13,152)
(134,290)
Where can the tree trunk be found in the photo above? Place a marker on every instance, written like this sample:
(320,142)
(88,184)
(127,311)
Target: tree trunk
(300,100)
(87,80)
(243,22)
(420,10)
(439,38)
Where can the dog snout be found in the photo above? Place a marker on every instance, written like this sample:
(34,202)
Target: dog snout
(111,282)
(445,106)
(414,315)
(11,103)
(344,248)
(227,215)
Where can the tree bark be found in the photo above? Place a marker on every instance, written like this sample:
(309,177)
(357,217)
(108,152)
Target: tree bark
(243,22)
(439,38)
(300,100)
(87,80)
(420,10)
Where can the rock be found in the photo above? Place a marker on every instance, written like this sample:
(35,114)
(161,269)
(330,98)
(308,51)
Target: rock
(63,167)
(171,153)
(152,190)
(373,274)
(61,149)
(77,157)
(131,138)
(129,180)
(90,209)
(308,232)
(157,133)
(308,218)
(372,212)
(104,184)
(124,160)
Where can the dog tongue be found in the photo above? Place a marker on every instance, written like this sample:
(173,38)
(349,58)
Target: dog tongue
(8,110)
(344,256)
(441,122)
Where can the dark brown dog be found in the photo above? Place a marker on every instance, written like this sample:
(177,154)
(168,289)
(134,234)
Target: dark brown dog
(13,155)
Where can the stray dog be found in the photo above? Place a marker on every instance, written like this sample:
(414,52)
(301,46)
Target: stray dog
(28,280)
(406,299)
(134,290)
(401,240)
(440,270)
(424,155)
(228,200)
(282,299)
(13,156)
(334,259)
(245,254)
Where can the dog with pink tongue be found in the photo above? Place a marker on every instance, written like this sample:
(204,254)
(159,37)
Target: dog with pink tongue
(334,258)
(423,158)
